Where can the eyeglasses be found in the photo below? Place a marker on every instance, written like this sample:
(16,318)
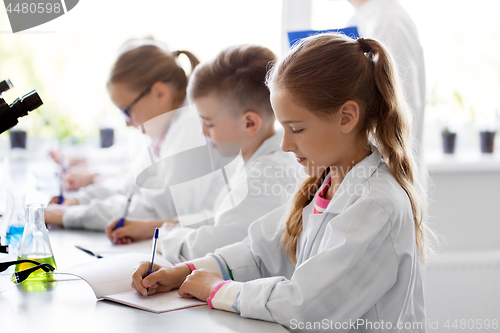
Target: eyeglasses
(126,111)
(23,275)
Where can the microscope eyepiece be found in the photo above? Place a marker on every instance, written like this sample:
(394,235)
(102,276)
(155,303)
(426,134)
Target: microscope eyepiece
(28,102)
(5,85)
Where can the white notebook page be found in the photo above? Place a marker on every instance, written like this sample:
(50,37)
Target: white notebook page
(110,279)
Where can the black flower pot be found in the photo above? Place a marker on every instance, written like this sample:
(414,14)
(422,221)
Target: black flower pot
(107,137)
(487,141)
(449,142)
(17,139)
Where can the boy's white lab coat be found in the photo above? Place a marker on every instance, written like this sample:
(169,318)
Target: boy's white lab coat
(357,260)
(271,176)
(388,22)
(101,203)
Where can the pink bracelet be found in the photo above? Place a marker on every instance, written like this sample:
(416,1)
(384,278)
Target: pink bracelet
(212,294)
(191,266)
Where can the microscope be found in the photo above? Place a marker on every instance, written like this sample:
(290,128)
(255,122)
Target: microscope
(9,114)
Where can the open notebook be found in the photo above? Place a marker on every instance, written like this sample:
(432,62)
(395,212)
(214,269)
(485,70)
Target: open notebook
(110,279)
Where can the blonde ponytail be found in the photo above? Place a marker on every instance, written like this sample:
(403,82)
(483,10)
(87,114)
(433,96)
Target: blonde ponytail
(391,119)
(392,133)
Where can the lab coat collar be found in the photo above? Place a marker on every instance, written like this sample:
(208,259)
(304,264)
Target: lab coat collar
(176,115)
(173,120)
(269,146)
(353,183)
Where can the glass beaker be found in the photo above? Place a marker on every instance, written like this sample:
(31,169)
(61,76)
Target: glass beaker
(35,244)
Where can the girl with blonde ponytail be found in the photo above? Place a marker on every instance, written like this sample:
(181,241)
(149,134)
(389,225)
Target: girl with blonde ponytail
(346,254)
(385,121)
(147,84)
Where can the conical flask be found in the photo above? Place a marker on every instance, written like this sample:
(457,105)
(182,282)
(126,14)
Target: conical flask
(35,243)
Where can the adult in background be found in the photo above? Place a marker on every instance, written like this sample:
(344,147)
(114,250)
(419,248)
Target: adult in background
(388,22)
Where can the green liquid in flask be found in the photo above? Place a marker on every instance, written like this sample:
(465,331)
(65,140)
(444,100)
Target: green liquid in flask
(39,274)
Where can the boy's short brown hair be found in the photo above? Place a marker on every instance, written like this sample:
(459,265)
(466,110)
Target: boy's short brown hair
(238,76)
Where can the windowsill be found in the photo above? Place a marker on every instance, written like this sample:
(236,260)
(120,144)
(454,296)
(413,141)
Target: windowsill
(462,162)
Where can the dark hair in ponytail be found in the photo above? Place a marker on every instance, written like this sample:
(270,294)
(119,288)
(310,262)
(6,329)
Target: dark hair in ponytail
(192,58)
(323,72)
(142,62)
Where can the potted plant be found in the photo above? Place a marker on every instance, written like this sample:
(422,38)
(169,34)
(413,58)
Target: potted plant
(17,138)
(107,137)
(489,127)
(449,139)
(487,141)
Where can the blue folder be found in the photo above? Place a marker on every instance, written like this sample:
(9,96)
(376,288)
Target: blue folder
(295,36)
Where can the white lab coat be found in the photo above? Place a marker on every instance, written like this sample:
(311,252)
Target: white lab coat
(388,22)
(119,184)
(269,177)
(101,203)
(357,260)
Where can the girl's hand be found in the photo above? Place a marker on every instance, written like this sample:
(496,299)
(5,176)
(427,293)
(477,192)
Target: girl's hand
(200,284)
(162,279)
(73,181)
(132,231)
(54,214)
(66,202)
(71,161)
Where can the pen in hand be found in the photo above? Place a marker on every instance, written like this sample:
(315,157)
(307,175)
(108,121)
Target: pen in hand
(121,221)
(152,264)
(61,181)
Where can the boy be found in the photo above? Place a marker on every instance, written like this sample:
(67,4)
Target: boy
(233,102)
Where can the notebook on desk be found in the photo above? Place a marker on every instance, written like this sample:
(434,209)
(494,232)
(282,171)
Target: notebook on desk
(110,279)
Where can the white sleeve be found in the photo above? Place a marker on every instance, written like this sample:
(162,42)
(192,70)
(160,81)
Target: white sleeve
(232,225)
(153,204)
(227,297)
(256,257)
(94,215)
(98,213)
(213,262)
(224,296)
(121,184)
(260,254)
(342,282)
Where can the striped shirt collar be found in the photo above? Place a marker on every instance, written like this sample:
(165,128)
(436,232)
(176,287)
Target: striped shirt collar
(320,202)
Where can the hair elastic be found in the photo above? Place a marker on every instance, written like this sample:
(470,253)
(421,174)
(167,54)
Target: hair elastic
(364,45)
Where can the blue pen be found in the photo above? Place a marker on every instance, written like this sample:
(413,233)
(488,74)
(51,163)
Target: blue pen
(61,182)
(152,264)
(122,220)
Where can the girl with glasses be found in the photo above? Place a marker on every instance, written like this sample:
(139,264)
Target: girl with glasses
(147,83)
